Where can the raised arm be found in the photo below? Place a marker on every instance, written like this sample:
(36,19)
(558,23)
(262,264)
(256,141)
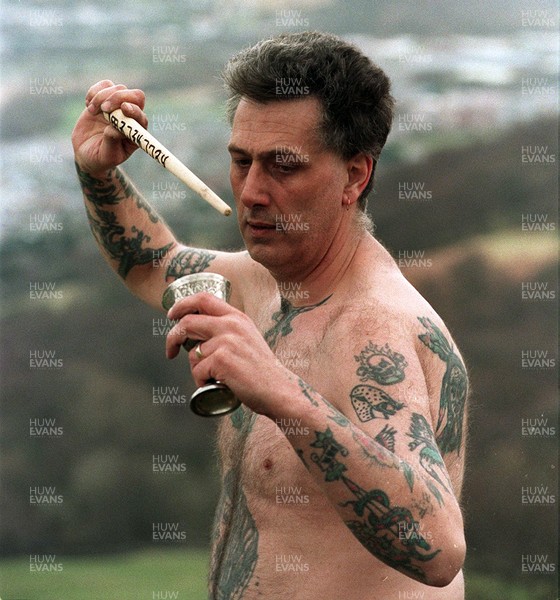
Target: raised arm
(134,240)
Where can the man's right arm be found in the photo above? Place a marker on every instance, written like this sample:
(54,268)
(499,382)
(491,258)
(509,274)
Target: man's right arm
(131,236)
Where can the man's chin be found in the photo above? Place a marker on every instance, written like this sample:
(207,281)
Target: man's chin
(264,253)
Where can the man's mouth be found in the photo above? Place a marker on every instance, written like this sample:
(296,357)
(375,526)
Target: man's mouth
(261,224)
(260,230)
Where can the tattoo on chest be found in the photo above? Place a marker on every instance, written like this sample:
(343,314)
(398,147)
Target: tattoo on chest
(389,532)
(243,420)
(235,536)
(453,392)
(283,319)
(189,261)
(236,541)
(128,251)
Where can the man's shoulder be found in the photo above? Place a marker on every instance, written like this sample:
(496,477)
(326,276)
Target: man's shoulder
(384,301)
(387,311)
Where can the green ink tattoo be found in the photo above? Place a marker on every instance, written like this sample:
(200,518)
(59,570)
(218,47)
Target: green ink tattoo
(283,319)
(314,398)
(367,400)
(430,458)
(380,451)
(235,552)
(243,419)
(131,192)
(127,251)
(454,386)
(237,417)
(327,460)
(386,437)
(189,261)
(307,391)
(389,532)
(380,364)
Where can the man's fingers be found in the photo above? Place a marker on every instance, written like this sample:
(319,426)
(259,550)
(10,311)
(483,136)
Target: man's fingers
(110,98)
(103,95)
(203,303)
(97,87)
(135,111)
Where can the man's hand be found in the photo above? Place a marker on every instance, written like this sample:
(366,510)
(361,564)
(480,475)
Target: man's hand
(233,350)
(98,146)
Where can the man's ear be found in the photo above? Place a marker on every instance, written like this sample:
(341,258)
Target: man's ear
(359,169)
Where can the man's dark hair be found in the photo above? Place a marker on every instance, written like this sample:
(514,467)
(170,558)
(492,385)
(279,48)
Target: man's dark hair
(354,93)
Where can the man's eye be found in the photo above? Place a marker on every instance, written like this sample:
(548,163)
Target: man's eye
(241,162)
(284,168)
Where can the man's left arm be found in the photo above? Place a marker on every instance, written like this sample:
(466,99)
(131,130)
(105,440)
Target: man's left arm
(370,445)
(382,470)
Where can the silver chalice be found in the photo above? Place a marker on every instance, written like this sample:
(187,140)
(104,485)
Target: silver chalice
(214,399)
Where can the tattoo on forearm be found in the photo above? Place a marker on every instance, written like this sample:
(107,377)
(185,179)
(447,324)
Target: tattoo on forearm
(389,532)
(380,451)
(131,192)
(127,251)
(189,261)
(283,319)
(368,400)
(315,399)
(307,391)
(380,364)
(454,386)
(98,191)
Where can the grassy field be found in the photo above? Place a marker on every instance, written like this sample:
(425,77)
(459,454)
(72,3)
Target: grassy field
(178,575)
(163,574)
(483,587)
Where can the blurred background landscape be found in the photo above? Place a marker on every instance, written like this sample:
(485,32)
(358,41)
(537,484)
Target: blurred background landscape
(465,199)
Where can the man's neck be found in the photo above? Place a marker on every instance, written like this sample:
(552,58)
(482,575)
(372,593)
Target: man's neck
(304,285)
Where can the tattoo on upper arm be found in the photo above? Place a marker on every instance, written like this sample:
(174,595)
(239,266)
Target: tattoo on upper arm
(127,251)
(189,261)
(430,457)
(283,319)
(386,437)
(454,386)
(380,364)
(368,400)
(389,532)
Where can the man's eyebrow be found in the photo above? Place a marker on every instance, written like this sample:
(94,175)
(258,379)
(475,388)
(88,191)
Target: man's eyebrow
(279,150)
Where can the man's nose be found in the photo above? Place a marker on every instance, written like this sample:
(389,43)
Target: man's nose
(254,190)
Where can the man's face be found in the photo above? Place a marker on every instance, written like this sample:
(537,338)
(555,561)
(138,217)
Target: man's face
(288,188)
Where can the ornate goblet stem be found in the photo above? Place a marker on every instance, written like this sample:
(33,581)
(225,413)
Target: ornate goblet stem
(213,399)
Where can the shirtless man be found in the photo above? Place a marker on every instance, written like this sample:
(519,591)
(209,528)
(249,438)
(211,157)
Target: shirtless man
(341,472)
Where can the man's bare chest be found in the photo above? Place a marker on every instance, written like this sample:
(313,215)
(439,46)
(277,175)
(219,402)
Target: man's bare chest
(254,445)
